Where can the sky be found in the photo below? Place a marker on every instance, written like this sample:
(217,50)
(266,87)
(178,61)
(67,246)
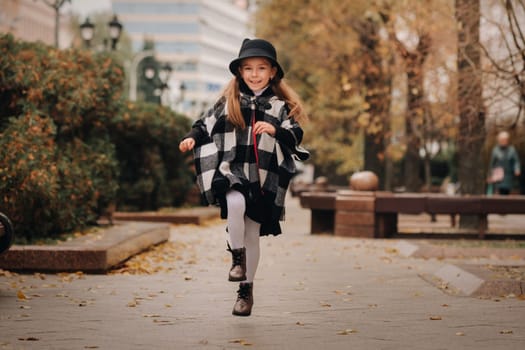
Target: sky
(86,7)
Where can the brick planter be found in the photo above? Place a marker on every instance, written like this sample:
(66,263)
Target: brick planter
(355,215)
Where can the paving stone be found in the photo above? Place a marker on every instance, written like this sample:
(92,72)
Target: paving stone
(311,292)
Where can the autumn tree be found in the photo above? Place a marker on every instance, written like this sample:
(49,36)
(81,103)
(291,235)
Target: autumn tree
(56,5)
(376,81)
(416,110)
(334,56)
(503,46)
(471,137)
(420,33)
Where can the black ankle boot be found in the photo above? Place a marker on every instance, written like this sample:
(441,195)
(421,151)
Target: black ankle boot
(244,304)
(238,269)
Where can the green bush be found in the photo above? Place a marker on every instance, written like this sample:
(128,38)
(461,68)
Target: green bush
(153,173)
(70,146)
(57,164)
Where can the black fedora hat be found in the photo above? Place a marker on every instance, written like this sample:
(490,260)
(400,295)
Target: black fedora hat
(256,48)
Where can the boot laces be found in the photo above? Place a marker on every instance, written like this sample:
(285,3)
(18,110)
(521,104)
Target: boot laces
(237,255)
(244,291)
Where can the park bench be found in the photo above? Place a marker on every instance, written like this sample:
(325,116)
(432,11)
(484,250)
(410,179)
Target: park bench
(375,214)
(322,210)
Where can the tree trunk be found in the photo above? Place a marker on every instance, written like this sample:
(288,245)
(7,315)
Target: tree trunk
(378,82)
(414,62)
(471,169)
(374,149)
(414,112)
(428,174)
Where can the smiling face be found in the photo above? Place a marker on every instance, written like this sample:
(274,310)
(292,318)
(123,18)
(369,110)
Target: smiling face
(257,72)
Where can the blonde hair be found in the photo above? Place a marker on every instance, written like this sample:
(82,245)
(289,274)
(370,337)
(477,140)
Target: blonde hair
(280,88)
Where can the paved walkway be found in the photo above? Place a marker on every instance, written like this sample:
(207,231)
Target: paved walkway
(311,292)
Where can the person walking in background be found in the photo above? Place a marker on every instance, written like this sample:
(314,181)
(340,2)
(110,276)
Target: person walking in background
(504,165)
(244,149)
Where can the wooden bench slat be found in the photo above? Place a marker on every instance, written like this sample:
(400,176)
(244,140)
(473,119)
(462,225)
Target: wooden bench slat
(503,205)
(401,203)
(453,205)
(318,200)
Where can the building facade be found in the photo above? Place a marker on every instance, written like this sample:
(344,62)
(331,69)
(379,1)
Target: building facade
(32,20)
(197,37)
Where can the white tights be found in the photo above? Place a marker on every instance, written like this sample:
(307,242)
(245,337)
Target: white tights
(244,232)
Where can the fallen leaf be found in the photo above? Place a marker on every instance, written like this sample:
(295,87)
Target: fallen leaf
(324,304)
(506,331)
(40,276)
(188,278)
(347,332)
(445,305)
(132,303)
(460,334)
(299,323)
(20,295)
(240,341)
(436,318)
(390,250)
(91,347)
(386,259)
(151,315)
(25,307)
(164,322)
(5,273)
(29,339)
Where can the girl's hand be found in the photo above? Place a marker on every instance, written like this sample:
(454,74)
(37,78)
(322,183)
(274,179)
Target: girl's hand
(264,127)
(187,144)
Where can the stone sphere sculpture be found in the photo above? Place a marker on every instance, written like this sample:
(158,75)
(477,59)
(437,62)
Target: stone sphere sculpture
(364,181)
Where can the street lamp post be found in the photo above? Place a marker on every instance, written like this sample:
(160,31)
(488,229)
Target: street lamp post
(87,31)
(164,75)
(115,29)
(133,72)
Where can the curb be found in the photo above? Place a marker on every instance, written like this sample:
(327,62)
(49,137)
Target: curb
(473,281)
(97,252)
(467,279)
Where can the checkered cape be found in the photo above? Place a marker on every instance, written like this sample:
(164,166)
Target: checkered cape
(228,153)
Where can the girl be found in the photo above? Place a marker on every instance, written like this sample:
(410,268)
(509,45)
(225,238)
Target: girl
(244,149)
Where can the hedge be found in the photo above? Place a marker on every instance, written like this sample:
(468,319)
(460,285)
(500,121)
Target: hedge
(70,145)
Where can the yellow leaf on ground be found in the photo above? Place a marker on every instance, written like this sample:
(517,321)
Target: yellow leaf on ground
(436,318)
(20,295)
(506,331)
(240,341)
(347,332)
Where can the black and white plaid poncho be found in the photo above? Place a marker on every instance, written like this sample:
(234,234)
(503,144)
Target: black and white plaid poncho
(225,158)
